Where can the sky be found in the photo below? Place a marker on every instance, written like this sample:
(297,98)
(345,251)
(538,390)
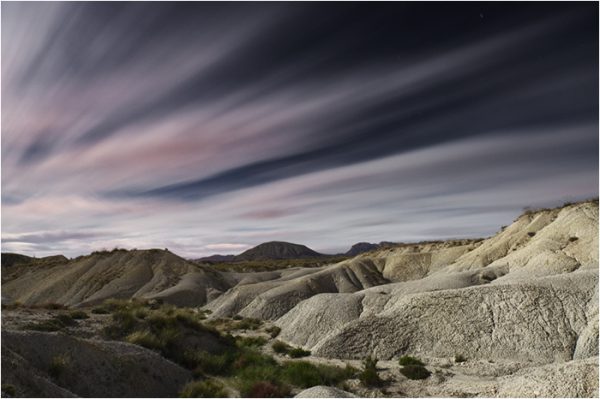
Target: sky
(212,127)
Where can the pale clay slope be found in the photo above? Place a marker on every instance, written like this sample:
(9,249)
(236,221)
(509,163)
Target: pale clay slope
(119,274)
(272,299)
(543,319)
(322,391)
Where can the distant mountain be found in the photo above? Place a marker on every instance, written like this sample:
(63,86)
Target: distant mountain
(278,250)
(361,247)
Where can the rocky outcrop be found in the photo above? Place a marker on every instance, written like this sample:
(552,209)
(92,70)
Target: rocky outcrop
(322,391)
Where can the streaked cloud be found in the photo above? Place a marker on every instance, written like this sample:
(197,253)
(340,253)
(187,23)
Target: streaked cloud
(195,126)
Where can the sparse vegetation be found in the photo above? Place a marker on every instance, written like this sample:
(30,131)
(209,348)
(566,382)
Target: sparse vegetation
(369,376)
(249,324)
(100,310)
(280,347)
(250,341)
(298,352)
(573,239)
(273,264)
(9,389)
(49,306)
(144,338)
(409,360)
(203,389)
(58,366)
(273,331)
(78,315)
(56,323)
(285,349)
(413,368)
(304,374)
(415,372)
(531,233)
(225,324)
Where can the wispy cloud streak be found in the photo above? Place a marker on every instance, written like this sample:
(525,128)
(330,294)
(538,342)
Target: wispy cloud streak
(198,124)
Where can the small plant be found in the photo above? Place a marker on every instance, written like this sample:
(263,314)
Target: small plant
(79,315)
(298,352)
(531,233)
(460,359)
(305,374)
(409,360)
(9,389)
(369,377)
(250,341)
(208,363)
(144,338)
(249,324)
(203,389)
(56,323)
(100,310)
(141,313)
(58,365)
(237,317)
(573,239)
(273,331)
(280,347)
(50,306)
(415,372)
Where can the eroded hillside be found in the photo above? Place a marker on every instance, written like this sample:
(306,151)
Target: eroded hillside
(520,308)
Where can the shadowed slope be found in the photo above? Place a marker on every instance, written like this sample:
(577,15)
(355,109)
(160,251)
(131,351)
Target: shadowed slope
(118,274)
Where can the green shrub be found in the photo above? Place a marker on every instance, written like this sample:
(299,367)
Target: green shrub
(305,375)
(273,331)
(144,338)
(573,239)
(50,306)
(123,323)
(45,325)
(531,233)
(280,347)
(249,324)
(141,313)
(415,372)
(79,315)
(369,376)
(203,389)
(460,359)
(56,323)
(237,317)
(249,358)
(58,365)
(9,389)
(250,341)
(298,352)
(65,319)
(207,363)
(100,310)
(409,360)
